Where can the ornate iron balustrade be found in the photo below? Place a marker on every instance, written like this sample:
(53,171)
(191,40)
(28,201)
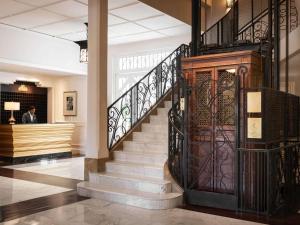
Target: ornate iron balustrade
(176,144)
(268,167)
(227,31)
(257,29)
(294,16)
(135,103)
(268,178)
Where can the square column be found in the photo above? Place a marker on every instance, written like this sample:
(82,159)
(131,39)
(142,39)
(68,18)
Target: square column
(97,152)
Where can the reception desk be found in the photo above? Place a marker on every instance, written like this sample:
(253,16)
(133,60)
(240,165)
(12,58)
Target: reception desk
(29,142)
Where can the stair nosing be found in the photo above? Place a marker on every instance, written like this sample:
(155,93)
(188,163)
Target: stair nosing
(142,142)
(145,165)
(147,154)
(134,177)
(128,192)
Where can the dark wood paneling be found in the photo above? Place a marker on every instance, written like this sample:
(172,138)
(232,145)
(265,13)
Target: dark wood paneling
(35,96)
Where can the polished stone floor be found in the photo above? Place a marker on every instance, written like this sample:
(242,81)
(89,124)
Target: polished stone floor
(68,168)
(15,190)
(44,193)
(96,212)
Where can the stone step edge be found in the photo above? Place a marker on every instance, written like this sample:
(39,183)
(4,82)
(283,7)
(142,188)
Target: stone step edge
(133,164)
(146,154)
(133,178)
(145,142)
(127,192)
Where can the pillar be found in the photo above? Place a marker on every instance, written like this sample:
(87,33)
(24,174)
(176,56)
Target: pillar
(196,26)
(96,147)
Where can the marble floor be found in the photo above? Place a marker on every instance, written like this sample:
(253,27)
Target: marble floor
(15,190)
(72,168)
(44,193)
(97,212)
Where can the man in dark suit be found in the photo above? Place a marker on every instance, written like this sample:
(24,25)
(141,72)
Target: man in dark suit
(29,117)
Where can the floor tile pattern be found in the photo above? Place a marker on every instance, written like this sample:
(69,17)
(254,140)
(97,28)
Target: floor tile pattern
(97,212)
(72,168)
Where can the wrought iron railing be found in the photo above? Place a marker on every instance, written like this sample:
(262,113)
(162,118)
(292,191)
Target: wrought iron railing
(257,29)
(135,103)
(176,142)
(229,32)
(268,178)
(268,167)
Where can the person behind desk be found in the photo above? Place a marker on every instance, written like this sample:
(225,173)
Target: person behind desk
(29,117)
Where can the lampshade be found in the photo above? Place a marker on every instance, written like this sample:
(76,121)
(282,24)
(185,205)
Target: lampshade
(9,106)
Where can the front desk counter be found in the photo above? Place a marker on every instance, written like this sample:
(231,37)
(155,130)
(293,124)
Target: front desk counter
(30,142)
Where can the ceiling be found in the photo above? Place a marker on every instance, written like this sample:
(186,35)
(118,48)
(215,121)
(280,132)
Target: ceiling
(128,20)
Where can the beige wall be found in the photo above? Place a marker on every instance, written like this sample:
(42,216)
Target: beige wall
(218,10)
(215,12)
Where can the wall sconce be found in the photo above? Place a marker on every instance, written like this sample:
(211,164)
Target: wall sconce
(229,4)
(12,106)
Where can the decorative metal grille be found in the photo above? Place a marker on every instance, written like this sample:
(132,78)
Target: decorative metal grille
(202,97)
(211,133)
(226,99)
(176,144)
(268,178)
(231,30)
(269,167)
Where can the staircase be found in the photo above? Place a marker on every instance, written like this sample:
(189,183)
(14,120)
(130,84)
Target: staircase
(136,176)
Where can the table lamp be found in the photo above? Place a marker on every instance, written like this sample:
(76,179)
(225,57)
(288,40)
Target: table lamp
(12,106)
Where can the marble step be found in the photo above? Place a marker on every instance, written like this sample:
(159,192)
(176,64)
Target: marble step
(158,120)
(141,136)
(158,128)
(137,157)
(163,111)
(138,183)
(145,146)
(138,169)
(130,197)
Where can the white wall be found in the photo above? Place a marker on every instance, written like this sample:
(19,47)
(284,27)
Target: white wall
(143,46)
(32,49)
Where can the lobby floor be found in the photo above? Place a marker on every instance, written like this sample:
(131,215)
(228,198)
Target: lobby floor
(14,190)
(45,193)
(95,212)
(69,168)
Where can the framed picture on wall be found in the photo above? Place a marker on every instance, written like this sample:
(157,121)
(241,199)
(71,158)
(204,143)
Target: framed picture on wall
(70,103)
